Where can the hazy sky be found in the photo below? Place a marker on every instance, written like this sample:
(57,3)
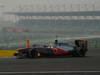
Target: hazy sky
(47,1)
(46,5)
(40,4)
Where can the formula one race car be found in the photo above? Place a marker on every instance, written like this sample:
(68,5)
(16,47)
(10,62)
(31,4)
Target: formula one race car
(58,49)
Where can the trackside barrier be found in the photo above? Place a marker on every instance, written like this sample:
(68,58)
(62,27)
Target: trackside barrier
(94,43)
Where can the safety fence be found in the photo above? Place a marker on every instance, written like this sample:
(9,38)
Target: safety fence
(94,43)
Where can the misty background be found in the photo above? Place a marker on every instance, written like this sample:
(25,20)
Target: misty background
(35,20)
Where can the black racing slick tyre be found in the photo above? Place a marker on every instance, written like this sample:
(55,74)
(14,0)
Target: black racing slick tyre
(82,54)
(35,54)
(78,54)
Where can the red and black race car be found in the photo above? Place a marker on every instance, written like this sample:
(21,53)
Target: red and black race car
(58,49)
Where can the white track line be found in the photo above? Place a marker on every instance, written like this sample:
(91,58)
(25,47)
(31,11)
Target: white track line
(51,72)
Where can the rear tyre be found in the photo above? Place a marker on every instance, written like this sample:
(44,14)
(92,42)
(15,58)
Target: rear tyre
(78,54)
(83,53)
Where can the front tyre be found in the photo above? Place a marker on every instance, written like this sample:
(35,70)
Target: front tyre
(35,54)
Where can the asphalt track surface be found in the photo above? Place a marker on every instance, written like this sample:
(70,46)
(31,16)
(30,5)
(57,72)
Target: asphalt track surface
(54,64)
